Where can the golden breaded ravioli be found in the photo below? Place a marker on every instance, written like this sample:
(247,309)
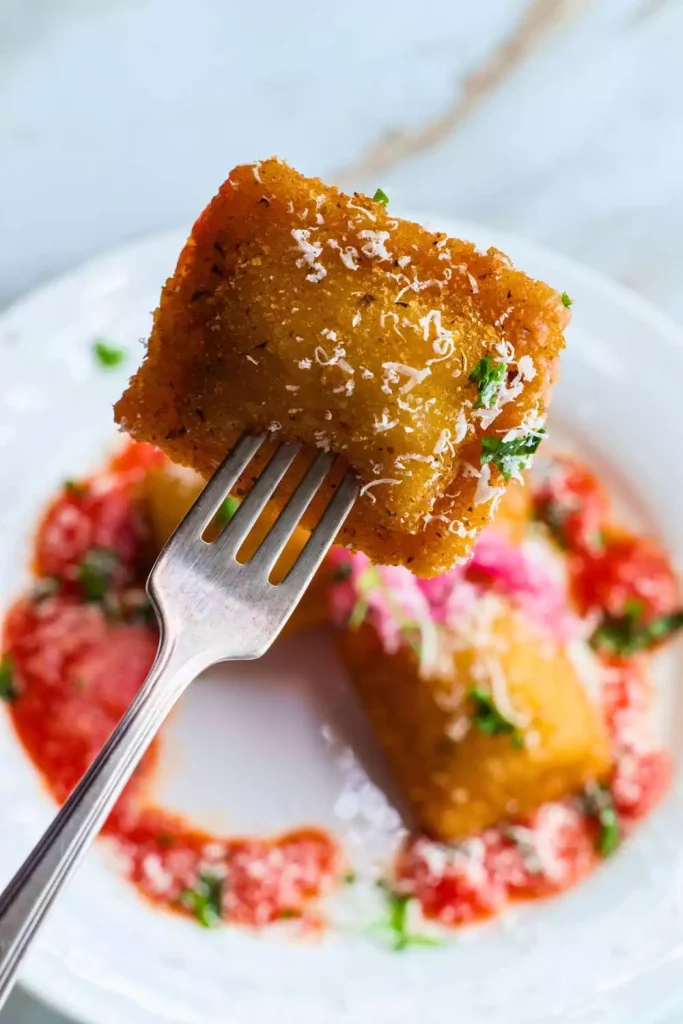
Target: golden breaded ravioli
(321,317)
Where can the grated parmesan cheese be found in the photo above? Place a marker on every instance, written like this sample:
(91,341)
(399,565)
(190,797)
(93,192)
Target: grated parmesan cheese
(414,376)
(311,251)
(444,443)
(461,427)
(348,256)
(365,489)
(159,880)
(525,365)
(361,209)
(384,423)
(375,245)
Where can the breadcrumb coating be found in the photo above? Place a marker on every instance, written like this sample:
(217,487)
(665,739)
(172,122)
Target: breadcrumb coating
(324,319)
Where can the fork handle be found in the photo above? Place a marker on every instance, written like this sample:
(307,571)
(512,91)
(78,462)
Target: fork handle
(35,886)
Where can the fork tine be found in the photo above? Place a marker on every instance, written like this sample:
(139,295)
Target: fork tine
(219,486)
(323,535)
(237,530)
(275,540)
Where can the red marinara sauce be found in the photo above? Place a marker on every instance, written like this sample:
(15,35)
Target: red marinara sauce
(81,643)
(79,647)
(612,569)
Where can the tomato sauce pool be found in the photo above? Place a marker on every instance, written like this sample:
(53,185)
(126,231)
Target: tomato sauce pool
(81,644)
(78,646)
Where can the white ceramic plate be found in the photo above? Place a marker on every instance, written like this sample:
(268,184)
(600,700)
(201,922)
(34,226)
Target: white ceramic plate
(267,749)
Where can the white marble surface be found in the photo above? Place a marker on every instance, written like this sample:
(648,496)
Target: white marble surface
(560,120)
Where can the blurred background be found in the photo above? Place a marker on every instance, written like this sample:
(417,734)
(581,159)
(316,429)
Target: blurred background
(558,120)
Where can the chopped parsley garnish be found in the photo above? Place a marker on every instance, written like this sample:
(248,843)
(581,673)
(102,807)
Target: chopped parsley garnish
(598,804)
(635,607)
(227,510)
(287,913)
(358,613)
(95,573)
(370,579)
(510,456)
(626,635)
(566,301)
(8,690)
(394,928)
(108,356)
(206,899)
(365,582)
(489,375)
(381,197)
(489,719)
(349,877)
(165,840)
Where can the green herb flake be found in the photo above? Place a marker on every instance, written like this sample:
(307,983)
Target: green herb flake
(489,376)
(490,720)
(511,457)
(394,928)
(626,635)
(166,840)
(349,877)
(381,197)
(108,356)
(288,914)
(358,613)
(370,580)
(206,899)
(364,583)
(566,301)
(599,805)
(95,573)
(227,510)
(8,689)
(634,607)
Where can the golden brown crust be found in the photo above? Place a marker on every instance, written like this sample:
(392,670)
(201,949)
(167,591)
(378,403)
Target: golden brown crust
(457,779)
(298,308)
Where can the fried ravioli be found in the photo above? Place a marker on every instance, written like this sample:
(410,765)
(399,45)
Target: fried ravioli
(460,768)
(322,318)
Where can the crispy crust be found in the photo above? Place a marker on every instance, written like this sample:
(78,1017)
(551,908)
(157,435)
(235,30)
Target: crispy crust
(297,308)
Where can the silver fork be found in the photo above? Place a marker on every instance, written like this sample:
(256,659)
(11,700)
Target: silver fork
(211,608)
